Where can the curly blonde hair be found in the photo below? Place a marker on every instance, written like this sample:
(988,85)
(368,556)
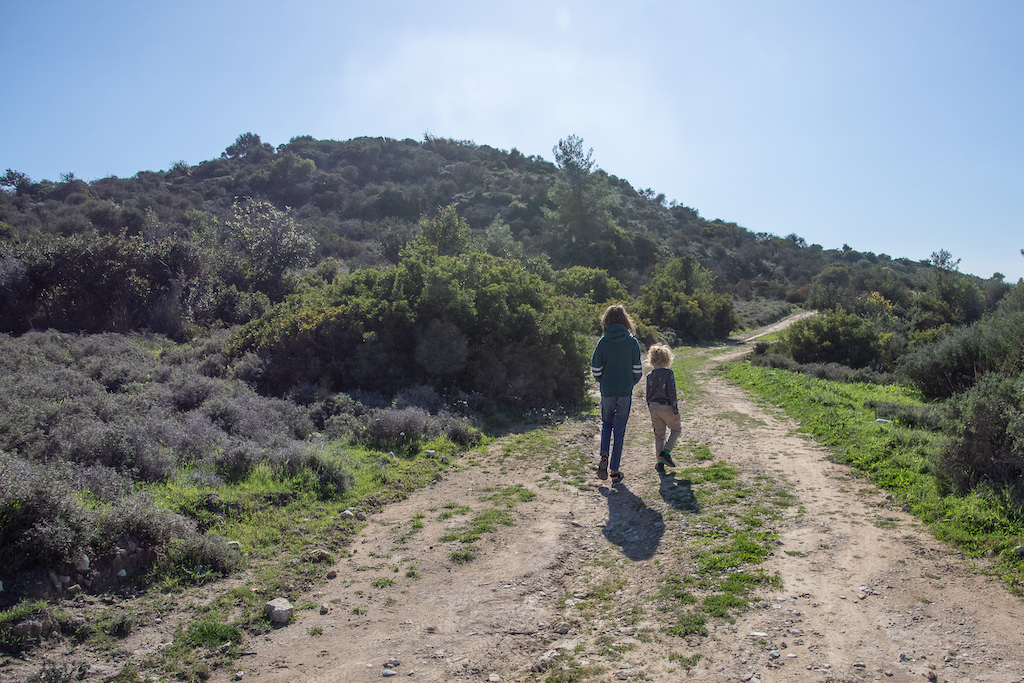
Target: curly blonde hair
(616,313)
(659,356)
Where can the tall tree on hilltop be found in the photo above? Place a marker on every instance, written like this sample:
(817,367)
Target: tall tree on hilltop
(582,201)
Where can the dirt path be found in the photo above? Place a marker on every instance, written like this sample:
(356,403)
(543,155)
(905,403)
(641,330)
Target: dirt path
(866,593)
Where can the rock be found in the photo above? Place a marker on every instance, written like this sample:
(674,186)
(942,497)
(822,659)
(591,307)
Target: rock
(56,581)
(239,675)
(332,574)
(348,514)
(122,573)
(429,453)
(388,673)
(562,628)
(27,629)
(1019,550)
(774,654)
(74,589)
(325,608)
(494,678)
(320,555)
(235,545)
(279,610)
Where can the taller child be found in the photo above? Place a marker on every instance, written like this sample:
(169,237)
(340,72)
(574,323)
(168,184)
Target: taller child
(617,367)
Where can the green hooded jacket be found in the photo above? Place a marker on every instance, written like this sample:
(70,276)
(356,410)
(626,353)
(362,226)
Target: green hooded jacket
(616,362)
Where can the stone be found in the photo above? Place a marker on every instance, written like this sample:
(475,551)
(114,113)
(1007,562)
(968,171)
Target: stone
(279,610)
(235,545)
(1019,550)
(122,573)
(325,608)
(239,675)
(392,663)
(320,555)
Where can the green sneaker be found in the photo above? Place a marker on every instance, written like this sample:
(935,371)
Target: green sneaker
(665,459)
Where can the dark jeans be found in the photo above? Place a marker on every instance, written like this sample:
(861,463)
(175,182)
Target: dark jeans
(614,415)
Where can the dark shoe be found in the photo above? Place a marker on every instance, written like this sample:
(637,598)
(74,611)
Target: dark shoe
(602,468)
(617,477)
(661,468)
(665,459)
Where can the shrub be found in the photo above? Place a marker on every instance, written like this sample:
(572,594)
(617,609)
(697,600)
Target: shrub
(988,438)
(137,518)
(930,417)
(419,396)
(456,323)
(195,558)
(680,297)
(42,523)
(833,337)
(953,363)
(394,429)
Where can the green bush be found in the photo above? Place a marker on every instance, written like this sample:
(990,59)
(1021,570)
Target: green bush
(471,323)
(680,297)
(954,363)
(833,337)
(987,445)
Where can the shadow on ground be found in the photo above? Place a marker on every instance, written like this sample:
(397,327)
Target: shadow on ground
(678,493)
(632,526)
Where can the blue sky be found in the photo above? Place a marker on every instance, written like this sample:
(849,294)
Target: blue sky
(893,126)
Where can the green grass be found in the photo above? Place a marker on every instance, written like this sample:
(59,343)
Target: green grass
(898,458)
(689,624)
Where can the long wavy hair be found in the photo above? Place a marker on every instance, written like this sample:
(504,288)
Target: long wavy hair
(616,313)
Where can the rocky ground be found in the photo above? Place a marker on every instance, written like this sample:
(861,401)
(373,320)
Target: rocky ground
(574,590)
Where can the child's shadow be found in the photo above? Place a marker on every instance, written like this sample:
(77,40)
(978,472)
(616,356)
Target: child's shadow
(632,526)
(678,494)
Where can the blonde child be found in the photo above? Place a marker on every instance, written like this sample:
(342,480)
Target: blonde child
(663,404)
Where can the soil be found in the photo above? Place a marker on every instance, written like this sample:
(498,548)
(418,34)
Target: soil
(867,593)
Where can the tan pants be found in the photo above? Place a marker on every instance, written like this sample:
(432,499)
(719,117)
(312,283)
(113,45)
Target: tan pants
(662,417)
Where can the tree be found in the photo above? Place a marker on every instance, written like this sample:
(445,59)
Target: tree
(270,241)
(680,297)
(447,232)
(19,182)
(246,144)
(582,201)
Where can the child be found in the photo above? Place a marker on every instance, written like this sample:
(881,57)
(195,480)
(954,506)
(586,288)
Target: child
(662,402)
(617,368)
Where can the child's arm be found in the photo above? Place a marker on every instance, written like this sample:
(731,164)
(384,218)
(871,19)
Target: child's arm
(672,391)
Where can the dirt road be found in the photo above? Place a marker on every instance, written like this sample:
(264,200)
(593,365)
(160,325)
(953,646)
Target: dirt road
(575,590)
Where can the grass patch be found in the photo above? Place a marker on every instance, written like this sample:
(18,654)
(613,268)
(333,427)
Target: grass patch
(686,662)
(689,624)
(898,456)
(461,556)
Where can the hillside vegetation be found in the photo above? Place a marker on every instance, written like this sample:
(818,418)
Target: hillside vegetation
(324,322)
